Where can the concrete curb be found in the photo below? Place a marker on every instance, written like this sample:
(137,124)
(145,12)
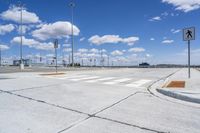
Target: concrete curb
(178,96)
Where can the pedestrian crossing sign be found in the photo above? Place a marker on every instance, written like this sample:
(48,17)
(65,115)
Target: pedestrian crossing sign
(189,34)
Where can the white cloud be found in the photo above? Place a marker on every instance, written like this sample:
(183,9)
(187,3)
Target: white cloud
(152,39)
(97,40)
(184,5)
(94,50)
(157,18)
(67,50)
(175,31)
(137,50)
(4,47)
(13,14)
(25,28)
(167,41)
(83,50)
(6,29)
(82,39)
(60,29)
(66,45)
(117,53)
(33,43)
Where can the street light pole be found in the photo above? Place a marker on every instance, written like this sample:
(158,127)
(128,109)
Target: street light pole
(72,5)
(21,41)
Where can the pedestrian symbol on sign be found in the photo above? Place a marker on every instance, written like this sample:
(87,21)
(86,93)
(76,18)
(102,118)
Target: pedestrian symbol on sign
(189,34)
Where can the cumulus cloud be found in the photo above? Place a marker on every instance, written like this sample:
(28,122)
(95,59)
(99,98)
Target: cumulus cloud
(25,28)
(157,18)
(98,40)
(33,43)
(6,29)
(60,29)
(167,41)
(82,39)
(184,5)
(152,39)
(175,31)
(67,45)
(117,53)
(136,50)
(4,47)
(83,50)
(13,14)
(67,50)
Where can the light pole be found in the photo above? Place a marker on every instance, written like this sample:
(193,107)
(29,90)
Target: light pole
(21,41)
(56,46)
(72,5)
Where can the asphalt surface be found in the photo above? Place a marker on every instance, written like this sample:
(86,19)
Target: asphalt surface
(92,101)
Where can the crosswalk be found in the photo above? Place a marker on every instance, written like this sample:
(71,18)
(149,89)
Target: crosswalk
(127,82)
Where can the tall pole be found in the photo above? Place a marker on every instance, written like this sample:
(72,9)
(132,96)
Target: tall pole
(21,41)
(188,58)
(56,46)
(108,61)
(72,30)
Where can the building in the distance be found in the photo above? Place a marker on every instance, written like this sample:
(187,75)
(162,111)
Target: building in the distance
(144,65)
(26,62)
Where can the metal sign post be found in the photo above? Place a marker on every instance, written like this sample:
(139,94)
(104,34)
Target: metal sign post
(188,35)
(56,46)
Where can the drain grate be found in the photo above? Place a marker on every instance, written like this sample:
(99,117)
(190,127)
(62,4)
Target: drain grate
(176,84)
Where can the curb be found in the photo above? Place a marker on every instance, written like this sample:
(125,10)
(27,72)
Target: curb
(178,96)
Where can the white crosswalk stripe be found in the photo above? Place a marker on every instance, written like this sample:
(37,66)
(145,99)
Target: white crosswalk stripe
(85,78)
(101,79)
(117,81)
(128,82)
(73,77)
(138,83)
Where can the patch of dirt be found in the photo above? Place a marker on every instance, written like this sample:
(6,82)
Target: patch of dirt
(175,84)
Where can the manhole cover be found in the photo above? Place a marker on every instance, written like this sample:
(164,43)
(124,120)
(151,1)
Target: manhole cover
(176,84)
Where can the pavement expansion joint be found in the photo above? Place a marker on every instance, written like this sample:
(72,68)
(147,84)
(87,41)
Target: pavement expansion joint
(44,102)
(128,124)
(34,88)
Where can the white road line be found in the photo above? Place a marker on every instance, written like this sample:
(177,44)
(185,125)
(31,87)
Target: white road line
(86,78)
(117,81)
(138,83)
(73,77)
(101,79)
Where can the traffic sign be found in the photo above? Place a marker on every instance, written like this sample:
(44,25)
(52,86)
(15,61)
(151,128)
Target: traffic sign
(56,43)
(189,34)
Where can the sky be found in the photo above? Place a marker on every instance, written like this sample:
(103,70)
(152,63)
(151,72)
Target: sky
(121,32)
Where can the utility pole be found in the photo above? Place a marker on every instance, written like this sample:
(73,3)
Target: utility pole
(108,61)
(56,46)
(72,5)
(21,41)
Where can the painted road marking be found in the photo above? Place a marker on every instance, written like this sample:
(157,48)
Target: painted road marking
(138,83)
(101,79)
(85,78)
(117,81)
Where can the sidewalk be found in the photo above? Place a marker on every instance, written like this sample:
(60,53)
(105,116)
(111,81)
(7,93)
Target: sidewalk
(191,91)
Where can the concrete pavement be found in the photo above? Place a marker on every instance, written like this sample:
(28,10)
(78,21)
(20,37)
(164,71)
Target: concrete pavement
(80,102)
(191,91)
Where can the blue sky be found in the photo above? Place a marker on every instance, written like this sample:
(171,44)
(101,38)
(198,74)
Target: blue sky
(128,31)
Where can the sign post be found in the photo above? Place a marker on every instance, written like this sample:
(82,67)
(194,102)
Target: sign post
(56,46)
(188,35)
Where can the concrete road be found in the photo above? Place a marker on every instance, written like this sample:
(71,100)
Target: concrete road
(95,101)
